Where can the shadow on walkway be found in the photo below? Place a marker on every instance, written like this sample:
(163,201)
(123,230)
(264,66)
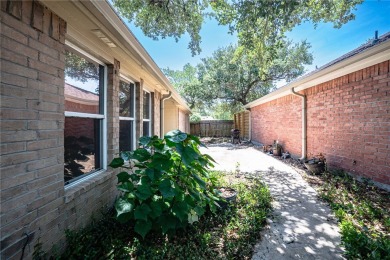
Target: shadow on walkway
(301,226)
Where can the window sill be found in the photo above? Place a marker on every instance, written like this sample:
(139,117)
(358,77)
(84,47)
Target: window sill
(74,190)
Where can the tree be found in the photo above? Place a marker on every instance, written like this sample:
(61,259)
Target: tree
(186,82)
(241,79)
(256,22)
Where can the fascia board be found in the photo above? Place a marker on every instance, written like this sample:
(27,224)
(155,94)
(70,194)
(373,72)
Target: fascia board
(372,56)
(127,36)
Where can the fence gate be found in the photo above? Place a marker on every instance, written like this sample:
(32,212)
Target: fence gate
(241,122)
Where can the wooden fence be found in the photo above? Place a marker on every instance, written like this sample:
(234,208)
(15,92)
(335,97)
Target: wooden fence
(241,122)
(212,128)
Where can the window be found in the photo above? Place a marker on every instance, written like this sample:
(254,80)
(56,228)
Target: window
(147,115)
(84,116)
(126,116)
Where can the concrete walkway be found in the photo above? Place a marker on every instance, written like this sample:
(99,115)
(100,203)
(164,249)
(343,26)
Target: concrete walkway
(301,226)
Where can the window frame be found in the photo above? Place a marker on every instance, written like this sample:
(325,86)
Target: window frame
(134,137)
(149,120)
(102,116)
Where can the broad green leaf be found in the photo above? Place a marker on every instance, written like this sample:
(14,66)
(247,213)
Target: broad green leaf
(168,222)
(199,210)
(199,180)
(141,212)
(156,207)
(208,157)
(180,210)
(144,140)
(150,173)
(166,188)
(123,206)
(123,177)
(188,154)
(126,186)
(176,136)
(141,155)
(160,162)
(143,191)
(142,227)
(117,162)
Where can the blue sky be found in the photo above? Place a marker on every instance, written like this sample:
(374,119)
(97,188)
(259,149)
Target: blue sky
(327,43)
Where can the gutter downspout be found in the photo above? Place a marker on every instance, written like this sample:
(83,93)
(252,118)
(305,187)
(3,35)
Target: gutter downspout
(304,124)
(163,98)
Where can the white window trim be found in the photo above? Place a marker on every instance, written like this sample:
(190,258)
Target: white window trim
(83,115)
(126,79)
(103,140)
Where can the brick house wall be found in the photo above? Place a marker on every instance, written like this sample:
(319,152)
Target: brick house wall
(348,120)
(34,202)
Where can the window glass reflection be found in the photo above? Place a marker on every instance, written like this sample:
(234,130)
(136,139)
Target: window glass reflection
(126,99)
(82,146)
(82,84)
(126,133)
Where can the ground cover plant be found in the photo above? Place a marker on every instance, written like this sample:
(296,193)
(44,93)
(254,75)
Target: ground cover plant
(229,234)
(363,212)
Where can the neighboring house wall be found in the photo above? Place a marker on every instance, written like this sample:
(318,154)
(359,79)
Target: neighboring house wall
(348,120)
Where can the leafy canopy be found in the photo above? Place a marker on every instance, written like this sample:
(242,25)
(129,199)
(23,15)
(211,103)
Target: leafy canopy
(226,81)
(257,22)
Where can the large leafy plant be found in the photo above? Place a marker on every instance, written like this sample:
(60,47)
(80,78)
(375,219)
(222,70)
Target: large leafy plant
(165,185)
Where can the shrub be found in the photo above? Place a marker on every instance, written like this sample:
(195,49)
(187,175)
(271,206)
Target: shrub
(167,185)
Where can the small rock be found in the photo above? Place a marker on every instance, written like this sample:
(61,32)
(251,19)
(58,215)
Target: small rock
(269,221)
(288,239)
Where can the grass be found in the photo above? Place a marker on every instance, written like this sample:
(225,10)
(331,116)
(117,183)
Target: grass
(363,212)
(230,234)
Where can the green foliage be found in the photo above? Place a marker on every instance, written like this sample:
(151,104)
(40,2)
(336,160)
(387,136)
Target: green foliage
(257,23)
(231,78)
(168,186)
(195,118)
(363,213)
(230,234)
(186,82)
(359,244)
(161,18)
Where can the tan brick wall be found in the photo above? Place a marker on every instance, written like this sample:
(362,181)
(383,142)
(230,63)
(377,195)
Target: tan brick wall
(33,198)
(32,124)
(348,120)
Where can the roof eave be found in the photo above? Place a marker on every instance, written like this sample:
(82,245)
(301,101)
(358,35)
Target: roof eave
(106,9)
(367,58)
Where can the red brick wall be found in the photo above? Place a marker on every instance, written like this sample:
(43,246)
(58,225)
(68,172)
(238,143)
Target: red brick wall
(348,120)
(279,120)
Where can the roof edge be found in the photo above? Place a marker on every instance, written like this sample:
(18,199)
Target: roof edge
(367,58)
(116,21)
